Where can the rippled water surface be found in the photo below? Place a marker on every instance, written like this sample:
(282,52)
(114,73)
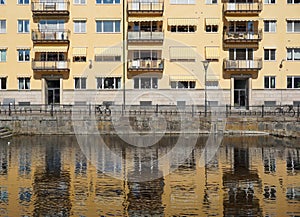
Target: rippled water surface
(55,176)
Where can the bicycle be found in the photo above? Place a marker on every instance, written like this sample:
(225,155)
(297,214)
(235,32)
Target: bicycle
(285,109)
(103,109)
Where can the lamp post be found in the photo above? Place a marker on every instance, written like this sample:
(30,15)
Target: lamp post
(205,65)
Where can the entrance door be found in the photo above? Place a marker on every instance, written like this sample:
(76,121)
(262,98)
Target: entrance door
(53,92)
(241,93)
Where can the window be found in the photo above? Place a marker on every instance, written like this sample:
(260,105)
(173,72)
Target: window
(145,83)
(2,26)
(270,1)
(2,2)
(108,54)
(3,55)
(293,82)
(3,83)
(293,1)
(183,84)
(183,28)
(80,26)
(183,54)
(24,83)
(79,2)
(23,26)
(80,83)
(107,1)
(23,2)
(211,28)
(187,2)
(109,83)
(270,82)
(293,26)
(293,54)
(270,54)
(24,55)
(108,26)
(79,58)
(211,1)
(270,25)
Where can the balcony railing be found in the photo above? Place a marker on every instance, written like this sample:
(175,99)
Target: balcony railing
(146,65)
(255,64)
(254,7)
(243,36)
(50,65)
(50,35)
(147,36)
(50,8)
(145,7)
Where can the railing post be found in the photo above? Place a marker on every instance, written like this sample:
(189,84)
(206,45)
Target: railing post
(226,110)
(51,112)
(262,111)
(156,109)
(9,110)
(193,110)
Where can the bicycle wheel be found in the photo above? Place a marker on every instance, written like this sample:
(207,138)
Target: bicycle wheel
(278,111)
(291,113)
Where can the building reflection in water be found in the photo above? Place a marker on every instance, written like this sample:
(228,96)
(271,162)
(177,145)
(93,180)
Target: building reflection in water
(54,176)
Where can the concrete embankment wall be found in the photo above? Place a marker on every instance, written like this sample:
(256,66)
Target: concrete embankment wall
(66,124)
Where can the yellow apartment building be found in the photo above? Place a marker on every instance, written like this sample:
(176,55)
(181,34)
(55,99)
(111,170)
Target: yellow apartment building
(150,52)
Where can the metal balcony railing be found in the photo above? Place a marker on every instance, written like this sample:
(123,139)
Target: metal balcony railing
(50,65)
(147,36)
(255,64)
(243,36)
(242,7)
(148,7)
(50,35)
(146,64)
(47,7)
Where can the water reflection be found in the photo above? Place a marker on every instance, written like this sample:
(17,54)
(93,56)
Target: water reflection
(53,176)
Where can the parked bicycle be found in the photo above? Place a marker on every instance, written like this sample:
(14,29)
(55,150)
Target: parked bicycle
(285,110)
(103,110)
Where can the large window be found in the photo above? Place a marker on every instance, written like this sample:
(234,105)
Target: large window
(24,83)
(24,55)
(293,1)
(107,1)
(183,28)
(293,82)
(270,25)
(23,26)
(182,1)
(145,83)
(51,25)
(270,82)
(2,2)
(211,1)
(183,84)
(23,2)
(80,83)
(270,1)
(269,54)
(3,55)
(3,83)
(293,54)
(108,26)
(2,26)
(79,2)
(109,83)
(80,26)
(211,28)
(293,26)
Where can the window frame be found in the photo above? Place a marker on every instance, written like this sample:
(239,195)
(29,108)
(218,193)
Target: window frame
(293,26)
(114,26)
(269,2)
(181,2)
(292,82)
(26,83)
(292,54)
(23,53)
(3,21)
(269,51)
(80,26)
(189,28)
(141,86)
(1,83)
(23,26)
(5,59)
(80,2)
(181,84)
(100,83)
(270,84)
(114,2)
(210,2)
(269,26)
(82,86)
(211,28)
(2,2)
(23,2)
(292,2)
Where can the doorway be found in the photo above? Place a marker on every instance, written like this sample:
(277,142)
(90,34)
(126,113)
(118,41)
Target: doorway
(241,93)
(53,92)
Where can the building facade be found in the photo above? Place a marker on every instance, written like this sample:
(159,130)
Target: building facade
(150,52)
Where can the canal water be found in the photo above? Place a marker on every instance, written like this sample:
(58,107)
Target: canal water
(59,176)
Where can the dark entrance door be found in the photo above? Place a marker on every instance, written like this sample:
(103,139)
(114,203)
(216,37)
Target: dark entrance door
(53,91)
(241,92)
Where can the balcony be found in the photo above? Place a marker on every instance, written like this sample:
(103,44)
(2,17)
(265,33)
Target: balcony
(38,65)
(140,7)
(244,65)
(242,37)
(50,9)
(146,36)
(240,8)
(146,65)
(50,36)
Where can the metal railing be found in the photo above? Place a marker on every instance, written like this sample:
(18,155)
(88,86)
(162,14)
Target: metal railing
(242,7)
(37,6)
(255,64)
(136,110)
(243,36)
(155,36)
(146,64)
(140,6)
(50,65)
(50,35)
